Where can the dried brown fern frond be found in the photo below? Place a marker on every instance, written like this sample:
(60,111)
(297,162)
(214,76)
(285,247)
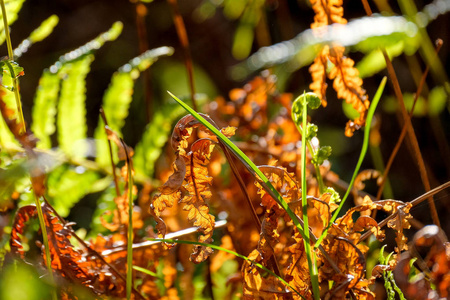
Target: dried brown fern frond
(190,183)
(346,80)
(327,12)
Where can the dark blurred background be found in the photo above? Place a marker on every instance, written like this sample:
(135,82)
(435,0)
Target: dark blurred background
(211,42)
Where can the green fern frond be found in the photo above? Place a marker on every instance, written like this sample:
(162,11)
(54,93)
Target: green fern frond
(40,33)
(67,185)
(44,109)
(12,9)
(118,96)
(73,68)
(154,138)
(88,48)
(71,119)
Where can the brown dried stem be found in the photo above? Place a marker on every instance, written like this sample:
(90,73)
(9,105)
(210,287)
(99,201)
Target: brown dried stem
(141,13)
(403,133)
(116,183)
(410,129)
(184,41)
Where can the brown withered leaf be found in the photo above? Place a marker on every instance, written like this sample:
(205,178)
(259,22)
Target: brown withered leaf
(327,12)
(23,214)
(368,223)
(284,182)
(347,82)
(319,212)
(66,261)
(342,248)
(364,176)
(400,221)
(297,272)
(258,285)
(378,270)
(348,86)
(198,192)
(318,71)
(190,182)
(25,138)
(120,214)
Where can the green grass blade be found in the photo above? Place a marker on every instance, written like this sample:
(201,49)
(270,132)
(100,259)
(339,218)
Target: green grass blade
(173,241)
(370,113)
(248,164)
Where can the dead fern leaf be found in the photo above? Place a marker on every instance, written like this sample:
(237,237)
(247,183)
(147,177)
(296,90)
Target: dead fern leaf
(259,285)
(346,80)
(23,214)
(327,12)
(348,86)
(198,192)
(190,183)
(318,71)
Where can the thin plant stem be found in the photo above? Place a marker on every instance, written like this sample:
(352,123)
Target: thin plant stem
(403,133)
(130,225)
(317,168)
(309,254)
(48,260)
(412,137)
(15,81)
(365,145)
(141,28)
(184,41)
(113,165)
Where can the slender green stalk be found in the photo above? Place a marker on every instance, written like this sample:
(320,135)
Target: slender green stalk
(48,259)
(11,57)
(317,167)
(365,145)
(309,255)
(248,164)
(173,241)
(130,226)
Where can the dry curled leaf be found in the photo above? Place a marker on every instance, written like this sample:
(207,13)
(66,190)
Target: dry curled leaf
(346,80)
(259,285)
(399,222)
(190,183)
(198,192)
